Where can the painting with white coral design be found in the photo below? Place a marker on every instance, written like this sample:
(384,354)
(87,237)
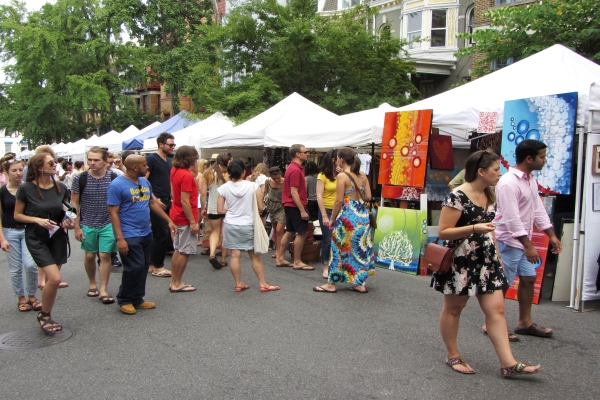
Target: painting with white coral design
(550,119)
(398,238)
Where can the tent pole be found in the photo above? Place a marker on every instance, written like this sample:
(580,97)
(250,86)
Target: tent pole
(576,244)
(371,166)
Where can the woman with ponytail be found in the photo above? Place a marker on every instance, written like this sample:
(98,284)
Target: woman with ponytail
(351,259)
(39,206)
(477,270)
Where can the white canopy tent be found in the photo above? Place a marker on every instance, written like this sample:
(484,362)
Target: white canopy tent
(554,70)
(290,112)
(113,139)
(181,137)
(210,126)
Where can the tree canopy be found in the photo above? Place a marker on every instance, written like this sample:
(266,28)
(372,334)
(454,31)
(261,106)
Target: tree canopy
(521,31)
(269,50)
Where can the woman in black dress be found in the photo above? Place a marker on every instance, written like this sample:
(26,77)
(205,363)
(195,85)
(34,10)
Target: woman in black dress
(39,206)
(466,221)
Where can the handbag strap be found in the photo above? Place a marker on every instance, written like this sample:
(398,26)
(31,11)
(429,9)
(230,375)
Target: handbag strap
(487,203)
(356,188)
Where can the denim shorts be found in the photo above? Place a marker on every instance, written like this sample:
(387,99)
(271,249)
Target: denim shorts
(515,262)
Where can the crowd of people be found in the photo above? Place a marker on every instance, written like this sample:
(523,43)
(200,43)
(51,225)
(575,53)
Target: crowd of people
(143,207)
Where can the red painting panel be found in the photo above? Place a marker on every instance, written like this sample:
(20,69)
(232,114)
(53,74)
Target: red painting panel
(404,148)
(441,155)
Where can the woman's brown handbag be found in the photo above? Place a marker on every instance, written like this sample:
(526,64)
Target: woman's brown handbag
(439,258)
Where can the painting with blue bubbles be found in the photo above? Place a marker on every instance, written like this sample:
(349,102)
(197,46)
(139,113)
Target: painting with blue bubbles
(550,119)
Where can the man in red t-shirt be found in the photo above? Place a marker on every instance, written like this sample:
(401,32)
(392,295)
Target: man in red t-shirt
(294,199)
(184,213)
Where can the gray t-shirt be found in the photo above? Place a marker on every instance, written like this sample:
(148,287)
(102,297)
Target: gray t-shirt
(50,206)
(311,187)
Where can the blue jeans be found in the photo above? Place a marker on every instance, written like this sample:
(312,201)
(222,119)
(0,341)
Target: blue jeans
(19,259)
(325,238)
(135,270)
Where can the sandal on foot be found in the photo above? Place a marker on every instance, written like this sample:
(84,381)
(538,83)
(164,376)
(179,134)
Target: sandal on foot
(242,287)
(35,304)
(183,289)
(93,292)
(162,274)
(283,264)
(24,307)
(321,289)
(215,263)
(304,267)
(224,263)
(451,362)
(534,330)
(268,288)
(63,285)
(354,289)
(106,299)
(517,370)
(47,324)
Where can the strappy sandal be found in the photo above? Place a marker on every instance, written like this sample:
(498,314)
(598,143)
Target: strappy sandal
(24,307)
(47,324)
(451,362)
(35,304)
(517,370)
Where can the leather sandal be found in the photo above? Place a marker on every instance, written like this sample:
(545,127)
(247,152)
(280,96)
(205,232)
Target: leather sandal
(451,362)
(24,307)
(517,370)
(47,324)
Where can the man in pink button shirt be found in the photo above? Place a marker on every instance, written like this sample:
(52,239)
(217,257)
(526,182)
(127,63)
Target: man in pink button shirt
(519,207)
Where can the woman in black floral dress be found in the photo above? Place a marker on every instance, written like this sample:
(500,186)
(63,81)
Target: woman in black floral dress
(477,269)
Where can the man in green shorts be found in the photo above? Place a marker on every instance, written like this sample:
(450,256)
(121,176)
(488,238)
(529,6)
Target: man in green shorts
(92,225)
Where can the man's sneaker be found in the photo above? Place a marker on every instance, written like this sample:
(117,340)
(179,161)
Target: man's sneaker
(128,309)
(147,305)
(116,262)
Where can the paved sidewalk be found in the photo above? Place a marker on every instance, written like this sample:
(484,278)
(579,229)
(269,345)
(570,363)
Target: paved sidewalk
(292,344)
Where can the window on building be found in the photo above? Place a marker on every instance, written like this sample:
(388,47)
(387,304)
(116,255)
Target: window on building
(7,147)
(470,22)
(147,103)
(350,3)
(438,28)
(414,26)
(502,2)
(501,63)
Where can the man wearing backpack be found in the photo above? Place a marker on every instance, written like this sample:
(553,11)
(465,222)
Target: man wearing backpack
(93,227)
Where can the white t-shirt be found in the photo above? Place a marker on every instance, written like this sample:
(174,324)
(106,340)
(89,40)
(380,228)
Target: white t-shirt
(365,163)
(238,196)
(260,180)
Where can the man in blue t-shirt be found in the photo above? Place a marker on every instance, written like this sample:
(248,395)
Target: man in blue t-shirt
(129,203)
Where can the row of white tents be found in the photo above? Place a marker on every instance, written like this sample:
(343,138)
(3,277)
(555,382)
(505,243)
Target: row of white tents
(296,119)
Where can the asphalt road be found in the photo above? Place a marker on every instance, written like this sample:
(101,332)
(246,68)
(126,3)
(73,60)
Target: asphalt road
(291,344)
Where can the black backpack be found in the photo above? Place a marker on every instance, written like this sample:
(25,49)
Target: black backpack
(83,177)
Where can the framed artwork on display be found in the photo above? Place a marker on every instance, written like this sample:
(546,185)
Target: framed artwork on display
(596,196)
(596,160)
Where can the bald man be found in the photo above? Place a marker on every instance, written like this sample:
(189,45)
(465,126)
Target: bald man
(129,203)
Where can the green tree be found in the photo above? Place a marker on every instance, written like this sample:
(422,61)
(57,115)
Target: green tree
(270,50)
(521,31)
(69,67)
(172,33)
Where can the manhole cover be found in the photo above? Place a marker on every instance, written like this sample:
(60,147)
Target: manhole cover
(32,338)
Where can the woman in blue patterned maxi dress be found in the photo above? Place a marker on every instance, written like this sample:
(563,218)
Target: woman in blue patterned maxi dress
(351,258)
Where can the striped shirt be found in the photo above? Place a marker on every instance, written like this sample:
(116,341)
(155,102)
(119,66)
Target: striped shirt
(93,206)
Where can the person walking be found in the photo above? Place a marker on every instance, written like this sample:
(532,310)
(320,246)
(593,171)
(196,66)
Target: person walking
(351,258)
(129,203)
(184,213)
(21,267)
(92,224)
(326,192)
(39,206)
(294,199)
(238,227)
(159,172)
(466,225)
(271,200)
(520,208)
(214,177)
(312,205)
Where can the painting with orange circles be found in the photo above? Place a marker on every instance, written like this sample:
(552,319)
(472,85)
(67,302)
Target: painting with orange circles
(403,160)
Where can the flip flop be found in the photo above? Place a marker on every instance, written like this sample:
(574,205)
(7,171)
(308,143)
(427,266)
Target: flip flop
(242,287)
(162,274)
(183,289)
(106,299)
(274,256)
(93,292)
(63,285)
(304,267)
(215,263)
(353,289)
(451,362)
(284,264)
(534,330)
(321,289)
